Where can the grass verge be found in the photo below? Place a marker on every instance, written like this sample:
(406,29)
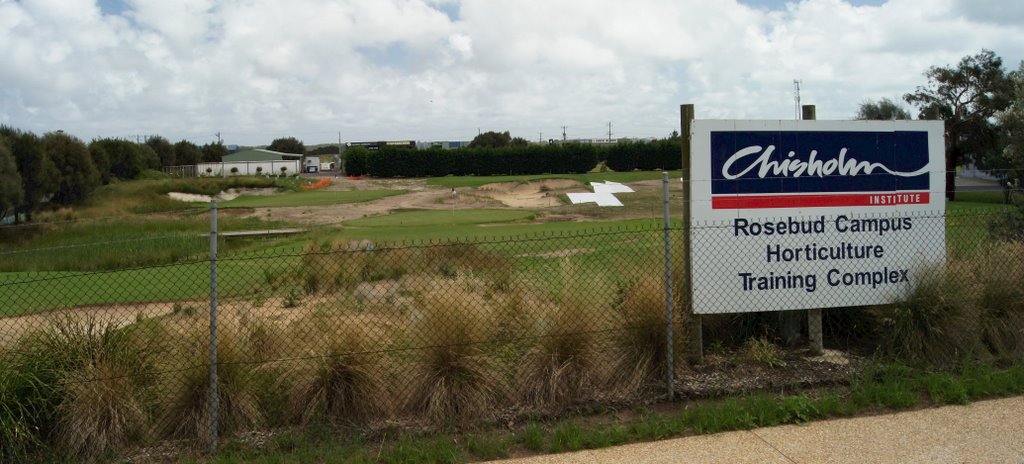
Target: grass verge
(878,389)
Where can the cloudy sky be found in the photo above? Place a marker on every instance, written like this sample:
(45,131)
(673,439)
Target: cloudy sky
(255,70)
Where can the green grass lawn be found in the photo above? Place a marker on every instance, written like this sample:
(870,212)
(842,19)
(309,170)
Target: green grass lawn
(455,217)
(60,282)
(312,198)
(621,177)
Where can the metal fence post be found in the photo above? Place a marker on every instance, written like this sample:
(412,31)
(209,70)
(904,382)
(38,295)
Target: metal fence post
(670,353)
(213,326)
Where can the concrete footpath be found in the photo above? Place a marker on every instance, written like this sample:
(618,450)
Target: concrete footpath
(982,432)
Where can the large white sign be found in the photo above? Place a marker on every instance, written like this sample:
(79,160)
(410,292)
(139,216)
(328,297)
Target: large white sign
(813,214)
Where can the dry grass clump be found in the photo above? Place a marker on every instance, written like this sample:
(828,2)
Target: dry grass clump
(933,323)
(760,350)
(102,410)
(454,377)
(564,365)
(188,414)
(345,384)
(1000,298)
(341,264)
(642,345)
(90,385)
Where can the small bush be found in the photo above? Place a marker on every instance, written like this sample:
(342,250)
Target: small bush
(102,410)
(454,378)
(763,351)
(345,384)
(1000,299)
(562,367)
(642,342)
(18,413)
(932,323)
(89,385)
(187,414)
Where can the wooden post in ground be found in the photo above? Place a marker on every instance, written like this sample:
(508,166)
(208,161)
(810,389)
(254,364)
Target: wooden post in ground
(694,330)
(814,337)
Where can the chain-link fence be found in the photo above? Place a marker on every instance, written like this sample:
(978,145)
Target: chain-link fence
(372,334)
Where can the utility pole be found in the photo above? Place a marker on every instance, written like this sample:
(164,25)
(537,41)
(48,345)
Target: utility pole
(219,141)
(341,165)
(609,131)
(540,137)
(796,97)
(563,133)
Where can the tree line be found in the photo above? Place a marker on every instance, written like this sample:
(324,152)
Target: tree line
(511,158)
(58,169)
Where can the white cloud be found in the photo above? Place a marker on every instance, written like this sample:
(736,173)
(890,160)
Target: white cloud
(425,69)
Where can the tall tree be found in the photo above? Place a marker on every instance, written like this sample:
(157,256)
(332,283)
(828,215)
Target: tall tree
(1010,162)
(101,160)
(38,174)
(164,150)
(288,145)
(214,152)
(124,158)
(150,160)
(11,192)
(966,98)
(882,110)
(491,139)
(187,153)
(78,174)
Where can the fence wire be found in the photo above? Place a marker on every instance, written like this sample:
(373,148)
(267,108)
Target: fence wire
(367,334)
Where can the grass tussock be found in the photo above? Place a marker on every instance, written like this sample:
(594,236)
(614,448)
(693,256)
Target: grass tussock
(564,365)
(641,344)
(85,386)
(187,412)
(345,384)
(1000,299)
(760,350)
(102,410)
(342,264)
(932,323)
(18,413)
(454,377)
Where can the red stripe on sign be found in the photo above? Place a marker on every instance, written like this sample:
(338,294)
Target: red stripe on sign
(818,201)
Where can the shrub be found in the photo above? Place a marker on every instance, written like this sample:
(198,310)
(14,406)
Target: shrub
(763,351)
(1000,298)
(187,414)
(18,413)
(345,384)
(344,264)
(641,342)
(932,322)
(563,366)
(102,409)
(89,384)
(454,378)
(234,170)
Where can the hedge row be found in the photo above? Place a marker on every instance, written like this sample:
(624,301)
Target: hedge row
(658,154)
(532,159)
(435,162)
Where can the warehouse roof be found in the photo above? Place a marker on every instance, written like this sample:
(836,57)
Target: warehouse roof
(260,154)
